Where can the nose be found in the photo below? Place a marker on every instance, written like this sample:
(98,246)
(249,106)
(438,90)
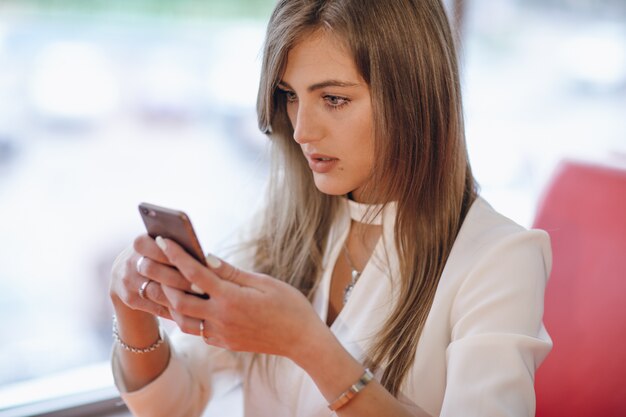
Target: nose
(306,126)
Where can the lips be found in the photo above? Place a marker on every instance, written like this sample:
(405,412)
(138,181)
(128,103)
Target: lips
(321,164)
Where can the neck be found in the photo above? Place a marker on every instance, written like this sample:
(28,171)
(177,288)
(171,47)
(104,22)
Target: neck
(364,198)
(368,214)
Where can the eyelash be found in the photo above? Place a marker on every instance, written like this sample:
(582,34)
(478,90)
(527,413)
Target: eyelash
(343,101)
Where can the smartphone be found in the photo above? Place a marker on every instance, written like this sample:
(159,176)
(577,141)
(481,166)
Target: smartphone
(175,225)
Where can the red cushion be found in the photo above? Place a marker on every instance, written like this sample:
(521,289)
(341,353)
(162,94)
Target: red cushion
(584,211)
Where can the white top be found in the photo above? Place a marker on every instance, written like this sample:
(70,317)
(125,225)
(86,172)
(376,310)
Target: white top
(480,347)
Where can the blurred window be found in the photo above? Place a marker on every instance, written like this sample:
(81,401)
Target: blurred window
(104,104)
(543,81)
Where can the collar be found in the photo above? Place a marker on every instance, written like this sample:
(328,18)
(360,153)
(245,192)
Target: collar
(366,213)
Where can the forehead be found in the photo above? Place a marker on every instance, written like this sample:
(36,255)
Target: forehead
(319,56)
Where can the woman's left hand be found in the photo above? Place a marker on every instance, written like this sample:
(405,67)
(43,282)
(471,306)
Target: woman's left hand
(257,313)
(245,312)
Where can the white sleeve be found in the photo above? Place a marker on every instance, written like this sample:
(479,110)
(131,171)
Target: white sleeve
(497,336)
(187,384)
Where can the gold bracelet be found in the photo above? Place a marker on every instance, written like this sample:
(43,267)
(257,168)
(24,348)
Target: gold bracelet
(123,345)
(351,392)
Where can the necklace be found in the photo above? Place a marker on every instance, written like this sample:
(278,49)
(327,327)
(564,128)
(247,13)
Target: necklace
(355,274)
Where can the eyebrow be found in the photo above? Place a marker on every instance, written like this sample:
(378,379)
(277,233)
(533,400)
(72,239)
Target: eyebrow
(323,84)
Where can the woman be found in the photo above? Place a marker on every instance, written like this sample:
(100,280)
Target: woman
(378,283)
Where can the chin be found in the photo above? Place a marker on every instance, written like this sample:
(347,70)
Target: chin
(331,187)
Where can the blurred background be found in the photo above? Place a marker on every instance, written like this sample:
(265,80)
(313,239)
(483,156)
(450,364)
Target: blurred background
(107,103)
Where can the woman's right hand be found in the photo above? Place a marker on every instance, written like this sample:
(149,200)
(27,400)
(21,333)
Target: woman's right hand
(137,324)
(140,263)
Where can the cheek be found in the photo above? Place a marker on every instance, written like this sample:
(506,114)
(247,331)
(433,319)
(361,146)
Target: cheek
(367,164)
(365,144)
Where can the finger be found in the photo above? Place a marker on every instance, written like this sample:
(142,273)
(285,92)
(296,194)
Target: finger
(190,268)
(152,302)
(154,293)
(189,325)
(231,273)
(188,305)
(163,312)
(162,274)
(126,283)
(211,337)
(146,246)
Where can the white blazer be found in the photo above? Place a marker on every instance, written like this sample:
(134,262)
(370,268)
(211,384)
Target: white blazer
(477,355)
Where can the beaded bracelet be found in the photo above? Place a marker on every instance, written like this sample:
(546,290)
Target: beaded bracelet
(351,392)
(123,345)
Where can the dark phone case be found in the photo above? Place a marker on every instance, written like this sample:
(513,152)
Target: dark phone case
(171,224)
(175,225)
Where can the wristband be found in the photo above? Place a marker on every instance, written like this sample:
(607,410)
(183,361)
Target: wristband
(123,345)
(351,392)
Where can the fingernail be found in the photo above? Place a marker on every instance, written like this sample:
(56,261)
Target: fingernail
(212,261)
(196,289)
(161,243)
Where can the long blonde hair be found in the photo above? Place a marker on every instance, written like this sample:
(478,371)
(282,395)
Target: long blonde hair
(405,52)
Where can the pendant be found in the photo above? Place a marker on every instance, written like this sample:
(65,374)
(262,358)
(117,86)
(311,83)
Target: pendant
(346,292)
(355,276)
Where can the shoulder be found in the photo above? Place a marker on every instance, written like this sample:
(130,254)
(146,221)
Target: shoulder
(498,266)
(485,233)
(485,324)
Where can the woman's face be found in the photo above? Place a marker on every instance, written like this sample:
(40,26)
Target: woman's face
(330,109)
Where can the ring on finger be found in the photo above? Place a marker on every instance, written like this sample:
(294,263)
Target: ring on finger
(205,338)
(142,289)
(138,264)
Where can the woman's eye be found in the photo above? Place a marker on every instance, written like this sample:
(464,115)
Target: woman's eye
(290,95)
(335,101)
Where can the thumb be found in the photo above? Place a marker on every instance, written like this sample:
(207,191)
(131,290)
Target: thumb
(228,272)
